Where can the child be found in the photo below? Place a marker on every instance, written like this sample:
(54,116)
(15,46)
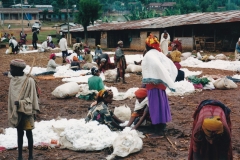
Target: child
(141,112)
(22,104)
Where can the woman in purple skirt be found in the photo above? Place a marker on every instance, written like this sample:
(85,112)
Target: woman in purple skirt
(158,73)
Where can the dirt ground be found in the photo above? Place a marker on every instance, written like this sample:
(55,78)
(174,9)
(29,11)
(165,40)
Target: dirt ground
(178,130)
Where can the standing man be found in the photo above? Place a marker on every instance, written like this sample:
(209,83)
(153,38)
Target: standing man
(98,51)
(22,105)
(34,39)
(120,62)
(237,51)
(63,46)
(165,37)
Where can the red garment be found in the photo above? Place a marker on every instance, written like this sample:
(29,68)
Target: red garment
(200,148)
(178,45)
(159,86)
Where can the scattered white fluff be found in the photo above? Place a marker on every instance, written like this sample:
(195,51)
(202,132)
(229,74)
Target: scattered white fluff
(65,71)
(35,70)
(114,90)
(66,90)
(133,68)
(110,75)
(83,136)
(80,79)
(216,64)
(123,112)
(211,57)
(127,75)
(182,88)
(209,86)
(127,142)
(190,73)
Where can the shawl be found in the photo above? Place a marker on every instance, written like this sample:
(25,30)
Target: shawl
(139,106)
(28,99)
(158,69)
(119,53)
(164,43)
(201,112)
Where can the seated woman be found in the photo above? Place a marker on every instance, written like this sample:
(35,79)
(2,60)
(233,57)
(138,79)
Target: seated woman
(141,111)
(211,132)
(75,64)
(52,65)
(175,56)
(88,56)
(101,113)
(95,82)
(104,65)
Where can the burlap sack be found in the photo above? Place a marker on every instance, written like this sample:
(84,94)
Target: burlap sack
(224,83)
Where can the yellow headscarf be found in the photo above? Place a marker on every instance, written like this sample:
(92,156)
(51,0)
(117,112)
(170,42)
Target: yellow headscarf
(153,42)
(212,125)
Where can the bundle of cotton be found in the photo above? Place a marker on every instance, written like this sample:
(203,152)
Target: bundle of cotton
(185,55)
(88,136)
(199,56)
(190,62)
(127,142)
(124,95)
(123,112)
(66,90)
(182,88)
(131,58)
(64,71)
(220,57)
(110,75)
(80,79)
(190,73)
(237,76)
(35,70)
(114,90)
(133,68)
(211,57)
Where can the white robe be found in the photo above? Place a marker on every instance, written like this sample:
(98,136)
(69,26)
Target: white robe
(164,43)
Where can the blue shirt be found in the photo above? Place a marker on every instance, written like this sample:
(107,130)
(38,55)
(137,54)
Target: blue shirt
(238,48)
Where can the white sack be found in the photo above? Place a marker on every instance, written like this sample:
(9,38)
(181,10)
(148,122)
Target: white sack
(220,57)
(199,56)
(110,75)
(123,112)
(185,55)
(66,90)
(211,57)
(133,68)
(127,142)
(224,83)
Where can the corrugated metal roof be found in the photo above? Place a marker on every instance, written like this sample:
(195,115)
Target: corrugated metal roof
(19,10)
(168,21)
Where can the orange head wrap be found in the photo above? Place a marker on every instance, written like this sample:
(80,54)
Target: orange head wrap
(75,58)
(141,93)
(153,42)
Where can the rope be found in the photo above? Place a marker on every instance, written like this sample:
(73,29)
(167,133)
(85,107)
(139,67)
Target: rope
(24,84)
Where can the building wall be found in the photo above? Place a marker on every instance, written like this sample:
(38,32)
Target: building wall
(187,43)
(92,42)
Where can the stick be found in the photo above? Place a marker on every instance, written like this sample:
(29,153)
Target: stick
(171,143)
(24,84)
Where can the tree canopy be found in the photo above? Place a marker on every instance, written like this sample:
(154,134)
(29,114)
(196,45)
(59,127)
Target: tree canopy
(88,12)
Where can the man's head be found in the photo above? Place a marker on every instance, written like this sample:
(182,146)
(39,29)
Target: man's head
(141,94)
(165,35)
(120,44)
(16,67)
(98,46)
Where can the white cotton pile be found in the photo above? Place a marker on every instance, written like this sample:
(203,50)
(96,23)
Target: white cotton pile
(88,136)
(133,68)
(84,90)
(110,75)
(65,71)
(66,90)
(182,88)
(80,79)
(190,62)
(35,70)
(199,56)
(220,57)
(190,73)
(123,112)
(124,95)
(131,58)
(211,57)
(127,142)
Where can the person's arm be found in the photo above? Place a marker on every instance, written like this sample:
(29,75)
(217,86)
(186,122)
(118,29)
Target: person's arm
(145,113)
(53,64)
(117,119)
(132,118)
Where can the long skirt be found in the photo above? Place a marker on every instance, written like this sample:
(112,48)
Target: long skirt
(158,106)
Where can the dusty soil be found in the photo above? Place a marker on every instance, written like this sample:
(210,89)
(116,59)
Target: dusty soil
(178,131)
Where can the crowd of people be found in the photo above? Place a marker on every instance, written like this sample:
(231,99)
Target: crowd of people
(211,131)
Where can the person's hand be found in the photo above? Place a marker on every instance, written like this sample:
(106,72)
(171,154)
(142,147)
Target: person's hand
(16,103)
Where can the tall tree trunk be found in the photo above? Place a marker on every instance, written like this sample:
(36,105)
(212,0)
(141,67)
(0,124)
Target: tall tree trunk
(85,34)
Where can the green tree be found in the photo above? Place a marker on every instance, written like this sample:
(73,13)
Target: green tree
(88,12)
